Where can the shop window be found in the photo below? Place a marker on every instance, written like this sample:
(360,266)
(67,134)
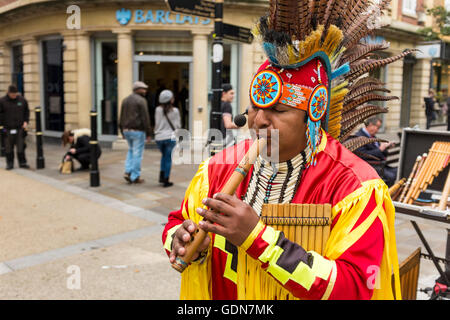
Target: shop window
(409,7)
(106,86)
(17,68)
(53,84)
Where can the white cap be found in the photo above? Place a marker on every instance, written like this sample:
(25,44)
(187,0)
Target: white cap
(165,96)
(139,85)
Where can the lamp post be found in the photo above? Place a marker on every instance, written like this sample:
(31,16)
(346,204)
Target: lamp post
(216,114)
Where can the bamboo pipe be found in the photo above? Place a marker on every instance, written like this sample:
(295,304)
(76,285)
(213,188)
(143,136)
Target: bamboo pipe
(410,178)
(230,187)
(445,193)
(414,181)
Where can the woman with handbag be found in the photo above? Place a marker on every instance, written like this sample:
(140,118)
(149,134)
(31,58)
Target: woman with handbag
(167,121)
(80,149)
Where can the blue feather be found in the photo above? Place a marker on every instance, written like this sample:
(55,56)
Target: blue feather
(344,69)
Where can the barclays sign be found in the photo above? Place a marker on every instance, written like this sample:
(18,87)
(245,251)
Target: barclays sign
(125,16)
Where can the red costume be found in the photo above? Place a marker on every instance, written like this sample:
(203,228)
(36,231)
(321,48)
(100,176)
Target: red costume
(342,180)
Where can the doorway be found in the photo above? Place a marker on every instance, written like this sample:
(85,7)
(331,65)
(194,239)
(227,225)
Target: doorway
(172,73)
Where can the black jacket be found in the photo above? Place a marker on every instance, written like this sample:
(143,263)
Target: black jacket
(13,113)
(370,149)
(134,114)
(83,146)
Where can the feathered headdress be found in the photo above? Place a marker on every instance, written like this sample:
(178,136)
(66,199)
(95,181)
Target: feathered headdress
(318,62)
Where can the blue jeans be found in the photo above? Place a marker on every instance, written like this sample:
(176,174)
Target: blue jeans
(136,144)
(166,147)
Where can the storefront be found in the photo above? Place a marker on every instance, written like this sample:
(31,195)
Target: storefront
(72,59)
(70,69)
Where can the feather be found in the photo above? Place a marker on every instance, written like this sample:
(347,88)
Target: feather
(358,117)
(365,89)
(356,10)
(353,144)
(304,13)
(374,64)
(364,81)
(362,50)
(368,97)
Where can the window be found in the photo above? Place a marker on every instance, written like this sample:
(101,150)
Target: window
(53,84)
(17,68)
(409,7)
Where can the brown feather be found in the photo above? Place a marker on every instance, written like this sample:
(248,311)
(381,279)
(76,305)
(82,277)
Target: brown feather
(358,118)
(368,97)
(363,90)
(362,50)
(374,64)
(353,144)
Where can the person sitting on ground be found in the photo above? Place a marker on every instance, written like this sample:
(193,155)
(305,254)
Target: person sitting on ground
(80,149)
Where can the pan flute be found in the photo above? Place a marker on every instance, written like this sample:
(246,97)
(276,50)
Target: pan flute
(305,224)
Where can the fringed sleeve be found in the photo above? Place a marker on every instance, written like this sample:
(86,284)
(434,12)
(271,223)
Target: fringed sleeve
(195,280)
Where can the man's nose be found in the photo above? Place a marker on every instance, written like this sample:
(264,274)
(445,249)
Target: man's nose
(261,119)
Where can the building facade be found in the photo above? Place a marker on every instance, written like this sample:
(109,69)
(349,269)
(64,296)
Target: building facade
(70,57)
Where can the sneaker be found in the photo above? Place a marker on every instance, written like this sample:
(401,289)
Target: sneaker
(24,166)
(126,176)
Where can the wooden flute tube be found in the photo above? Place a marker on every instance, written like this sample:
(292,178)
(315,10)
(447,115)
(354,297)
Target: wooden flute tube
(230,187)
(396,187)
(410,178)
(411,187)
(445,193)
(440,154)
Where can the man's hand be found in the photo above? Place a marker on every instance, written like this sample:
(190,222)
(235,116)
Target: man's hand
(235,221)
(25,125)
(73,150)
(182,237)
(386,145)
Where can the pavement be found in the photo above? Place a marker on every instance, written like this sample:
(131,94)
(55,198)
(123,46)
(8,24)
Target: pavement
(62,239)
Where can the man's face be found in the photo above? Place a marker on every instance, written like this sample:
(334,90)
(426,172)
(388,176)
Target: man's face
(372,129)
(13,95)
(228,96)
(290,124)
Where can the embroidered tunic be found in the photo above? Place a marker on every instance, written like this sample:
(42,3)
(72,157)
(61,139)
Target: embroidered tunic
(359,256)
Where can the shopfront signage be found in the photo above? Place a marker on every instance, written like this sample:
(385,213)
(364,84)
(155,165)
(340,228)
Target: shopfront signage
(139,16)
(429,51)
(236,33)
(202,8)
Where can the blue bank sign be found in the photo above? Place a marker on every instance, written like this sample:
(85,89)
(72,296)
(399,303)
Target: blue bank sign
(125,16)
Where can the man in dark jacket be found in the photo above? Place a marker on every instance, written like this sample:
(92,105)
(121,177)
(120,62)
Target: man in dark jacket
(14,118)
(135,127)
(376,150)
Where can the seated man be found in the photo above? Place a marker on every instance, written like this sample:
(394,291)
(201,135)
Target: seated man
(377,150)
(80,146)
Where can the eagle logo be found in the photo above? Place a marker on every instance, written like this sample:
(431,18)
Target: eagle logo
(123,16)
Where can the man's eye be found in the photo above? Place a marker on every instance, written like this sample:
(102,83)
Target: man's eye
(279,110)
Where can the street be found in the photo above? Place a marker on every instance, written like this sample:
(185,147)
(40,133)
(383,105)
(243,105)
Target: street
(61,239)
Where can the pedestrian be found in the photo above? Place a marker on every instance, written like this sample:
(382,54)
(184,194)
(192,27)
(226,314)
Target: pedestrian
(294,93)
(226,123)
(135,127)
(14,117)
(167,121)
(377,150)
(430,112)
(80,147)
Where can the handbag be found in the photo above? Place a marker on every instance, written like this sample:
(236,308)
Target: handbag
(66,167)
